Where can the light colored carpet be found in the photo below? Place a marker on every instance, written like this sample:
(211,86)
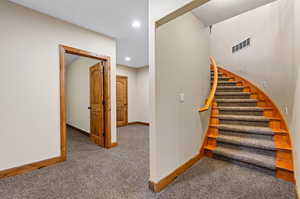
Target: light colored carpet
(94,173)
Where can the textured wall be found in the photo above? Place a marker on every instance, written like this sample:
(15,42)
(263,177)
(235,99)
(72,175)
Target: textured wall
(143,94)
(295,124)
(131,73)
(182,66)
(78,92)
(30,127)
(157,10)
(138,92)
(268,61)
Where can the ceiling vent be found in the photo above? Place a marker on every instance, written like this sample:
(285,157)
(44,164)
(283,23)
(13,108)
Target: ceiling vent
(241,45)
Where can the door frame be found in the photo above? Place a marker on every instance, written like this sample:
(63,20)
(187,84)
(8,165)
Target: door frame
(126,120)
(107,94)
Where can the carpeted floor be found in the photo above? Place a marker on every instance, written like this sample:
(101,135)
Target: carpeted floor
(94,173)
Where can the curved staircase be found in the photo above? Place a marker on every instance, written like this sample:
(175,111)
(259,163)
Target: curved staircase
(247,128)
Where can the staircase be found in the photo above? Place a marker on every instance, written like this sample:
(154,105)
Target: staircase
(247,128)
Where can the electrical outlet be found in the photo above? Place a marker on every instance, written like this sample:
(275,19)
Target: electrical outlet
(264,84)
(181,97)
(286,110)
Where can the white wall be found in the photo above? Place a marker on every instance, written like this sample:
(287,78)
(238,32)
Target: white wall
(157,10)
(295,124)
(30,127)
(138,97)
(132,99)
(143,93)
(78,96)
(182,66)
(268,62)
(78,92)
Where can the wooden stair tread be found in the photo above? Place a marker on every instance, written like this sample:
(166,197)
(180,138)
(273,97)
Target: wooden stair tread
(278,145)
(280,131)
(266,108)
(244,116)
(247,156)
(276,131)
(245,107)
(209,147)
(231,93)
(247,141)
(236,100)
(238,121)
(283,146)
(212,136)
(274,118)
(285,164)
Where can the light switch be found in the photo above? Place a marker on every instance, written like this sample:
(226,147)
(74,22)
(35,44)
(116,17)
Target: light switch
(181,97)
(286,110)
(264,84)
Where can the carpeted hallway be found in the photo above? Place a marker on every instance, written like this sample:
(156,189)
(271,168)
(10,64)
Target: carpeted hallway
(94,173)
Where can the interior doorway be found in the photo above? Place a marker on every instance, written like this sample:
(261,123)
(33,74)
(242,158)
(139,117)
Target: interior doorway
(100,98)
(122,100)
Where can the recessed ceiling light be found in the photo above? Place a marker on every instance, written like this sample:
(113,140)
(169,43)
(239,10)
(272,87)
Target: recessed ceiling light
(136,24)
(127,58)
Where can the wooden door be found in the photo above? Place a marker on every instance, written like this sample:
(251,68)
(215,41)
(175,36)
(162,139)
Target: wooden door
(97,104)
(122,101)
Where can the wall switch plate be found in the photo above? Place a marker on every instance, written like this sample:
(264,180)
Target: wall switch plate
(181,97)
(286,110)
(264,84)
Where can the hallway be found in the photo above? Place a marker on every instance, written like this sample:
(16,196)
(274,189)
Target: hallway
(90,172)
(122,172)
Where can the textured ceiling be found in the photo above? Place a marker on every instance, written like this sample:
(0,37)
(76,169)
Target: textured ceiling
(114,18)
(219,10)
(110,17)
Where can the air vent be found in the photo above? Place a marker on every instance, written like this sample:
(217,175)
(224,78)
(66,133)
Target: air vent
(241,45)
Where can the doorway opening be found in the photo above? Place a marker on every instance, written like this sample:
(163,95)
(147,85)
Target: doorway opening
(99,98)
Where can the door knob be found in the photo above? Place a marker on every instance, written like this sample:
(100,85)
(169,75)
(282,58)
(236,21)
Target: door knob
(89,107)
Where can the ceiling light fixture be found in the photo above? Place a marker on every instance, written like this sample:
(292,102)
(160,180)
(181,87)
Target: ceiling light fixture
(136,24)
(127,58)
